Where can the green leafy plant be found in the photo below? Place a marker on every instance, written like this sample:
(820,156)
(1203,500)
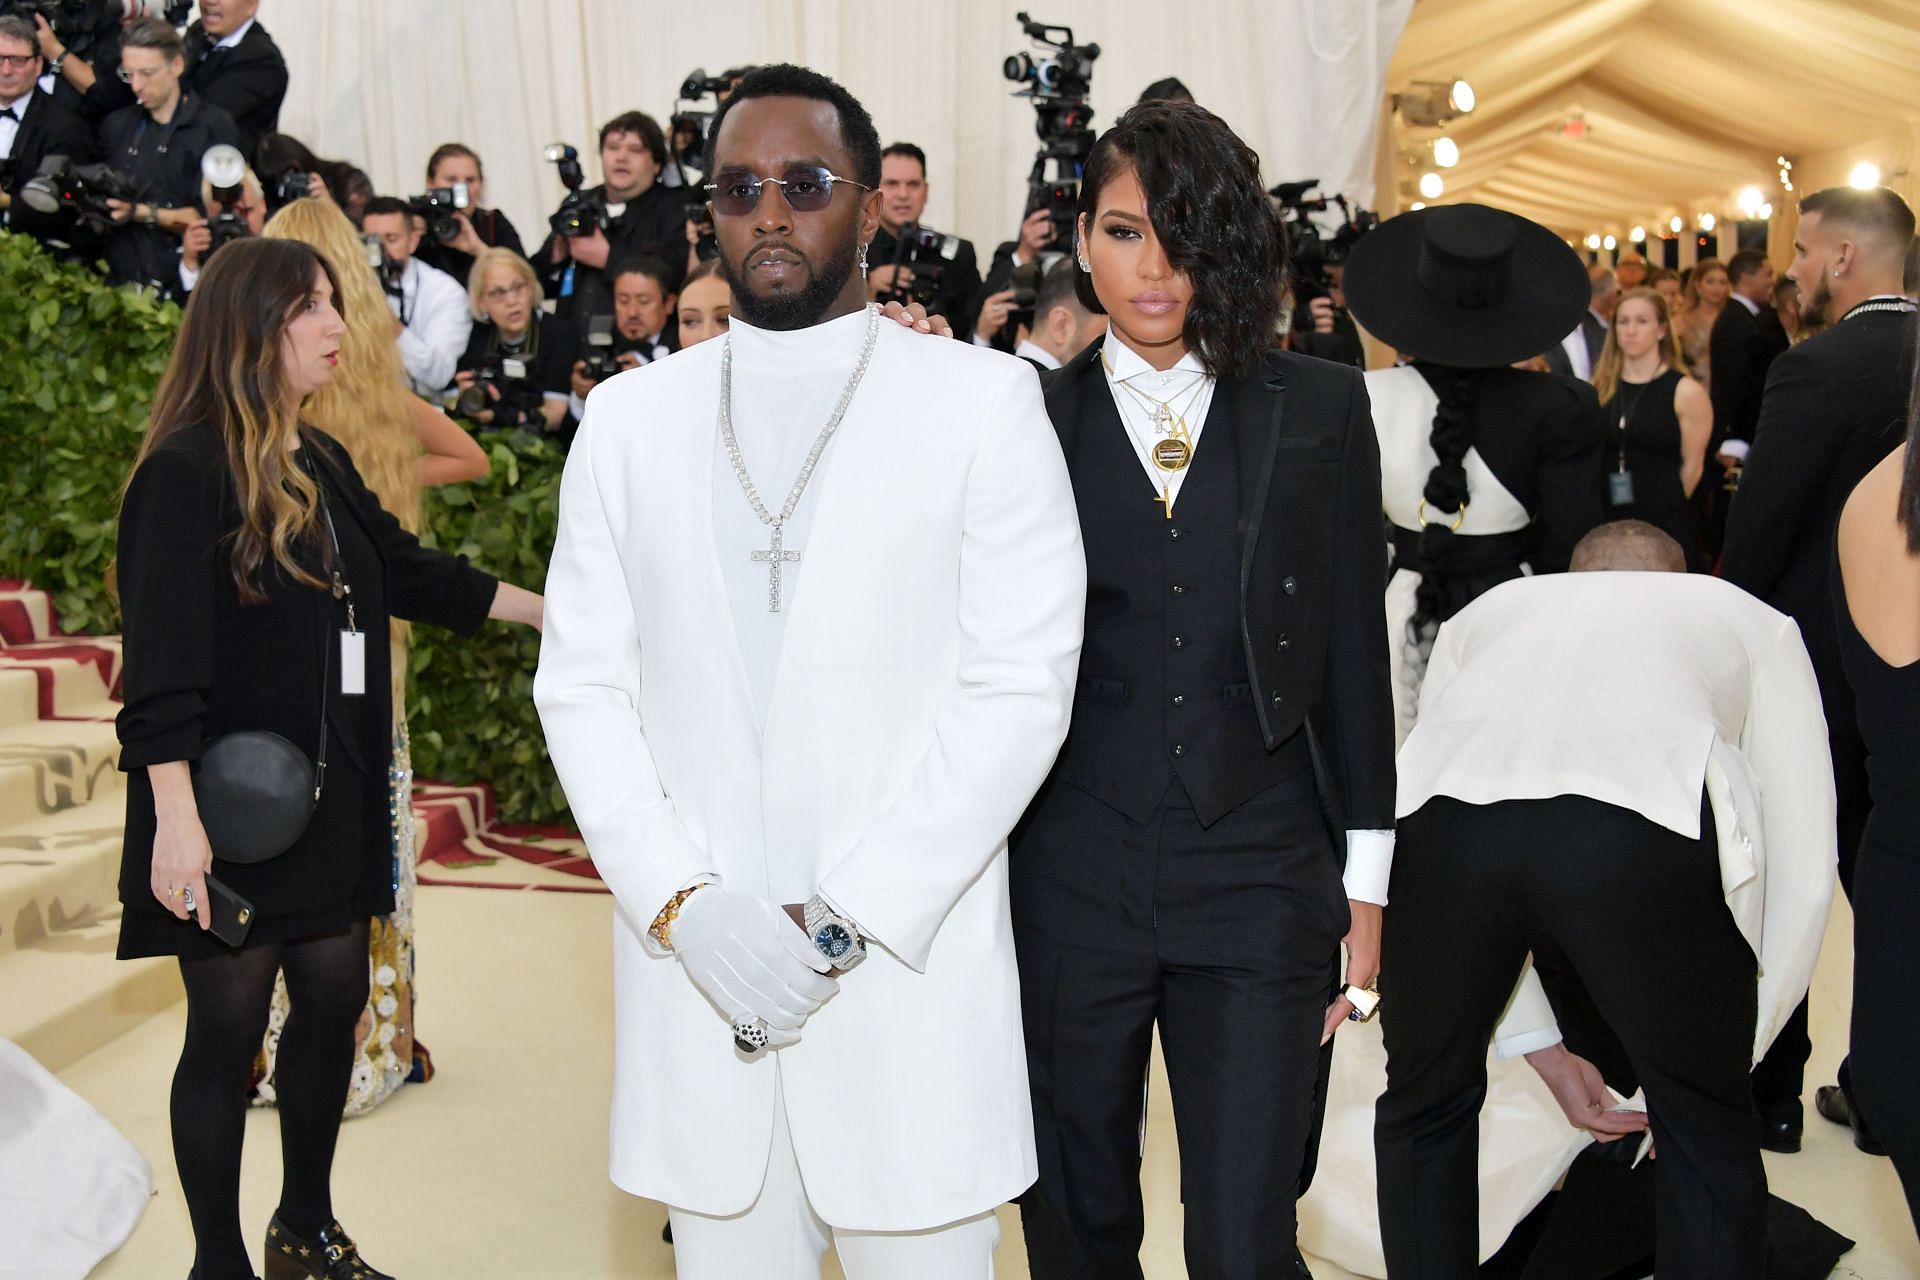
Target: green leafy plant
(79,360)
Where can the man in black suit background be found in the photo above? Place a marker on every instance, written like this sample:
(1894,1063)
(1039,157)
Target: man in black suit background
(1580,350)
(1061,326)
(84,79)
(32,127)
(1833,407)
(1743,344)
(903,198)
(233,63)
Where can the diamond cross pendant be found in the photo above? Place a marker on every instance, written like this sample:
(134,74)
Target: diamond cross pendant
(773,557)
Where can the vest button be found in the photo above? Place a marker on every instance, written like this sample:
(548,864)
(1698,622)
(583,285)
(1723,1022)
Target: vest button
(1179,699)
(1179,749)
(1282,644)
(1173,531)
(1179,590)
(1289,586)
(1178,642)
(1276,699)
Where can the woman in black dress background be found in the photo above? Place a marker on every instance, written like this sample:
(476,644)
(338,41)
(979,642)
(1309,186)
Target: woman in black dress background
(1658,423)
(235,523)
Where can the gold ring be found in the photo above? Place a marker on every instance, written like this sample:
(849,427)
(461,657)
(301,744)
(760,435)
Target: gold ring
(175,893)
(1459,517)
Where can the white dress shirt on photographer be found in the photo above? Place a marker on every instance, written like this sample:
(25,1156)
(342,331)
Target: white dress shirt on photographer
(435,310)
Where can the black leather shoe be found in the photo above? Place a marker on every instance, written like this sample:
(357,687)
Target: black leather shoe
(1832,1102)
(1782,1124)
(330,1255)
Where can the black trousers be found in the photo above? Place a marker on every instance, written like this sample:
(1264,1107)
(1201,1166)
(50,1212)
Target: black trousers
(1637,911)
(1780,1076)
(1227,936)
(1886,987)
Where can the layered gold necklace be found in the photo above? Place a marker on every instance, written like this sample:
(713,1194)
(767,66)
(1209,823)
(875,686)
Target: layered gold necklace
(1172,453)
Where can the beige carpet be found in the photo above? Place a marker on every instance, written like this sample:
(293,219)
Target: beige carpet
(496,1170)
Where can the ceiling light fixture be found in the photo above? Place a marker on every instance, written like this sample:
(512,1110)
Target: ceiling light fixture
(1865,176)
(1431,186)
(1446,152)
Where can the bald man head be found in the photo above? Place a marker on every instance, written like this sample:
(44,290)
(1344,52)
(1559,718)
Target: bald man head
(1628,546)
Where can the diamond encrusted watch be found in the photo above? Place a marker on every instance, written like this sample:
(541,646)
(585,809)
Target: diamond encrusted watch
(833,935)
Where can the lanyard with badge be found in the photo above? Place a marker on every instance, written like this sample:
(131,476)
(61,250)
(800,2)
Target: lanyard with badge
(353,641)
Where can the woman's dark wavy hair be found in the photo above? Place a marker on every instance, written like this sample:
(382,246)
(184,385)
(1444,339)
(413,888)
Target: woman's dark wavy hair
(1211,213)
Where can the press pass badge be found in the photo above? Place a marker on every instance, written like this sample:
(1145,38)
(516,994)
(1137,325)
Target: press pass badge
(1620,488)
(353,662)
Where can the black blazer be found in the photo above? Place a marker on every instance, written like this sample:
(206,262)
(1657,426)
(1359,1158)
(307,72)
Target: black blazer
(200,663)
(1592,332)
(1834,407)
(1739,351)
(247,81)
(1312,568)
(48,130)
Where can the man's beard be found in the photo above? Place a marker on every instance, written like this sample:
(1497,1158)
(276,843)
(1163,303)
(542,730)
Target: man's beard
(799,308)
(1813,311)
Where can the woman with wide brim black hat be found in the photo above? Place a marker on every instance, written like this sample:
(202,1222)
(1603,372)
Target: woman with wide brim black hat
(1487,471)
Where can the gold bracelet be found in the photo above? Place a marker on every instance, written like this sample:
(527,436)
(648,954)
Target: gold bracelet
(662,925)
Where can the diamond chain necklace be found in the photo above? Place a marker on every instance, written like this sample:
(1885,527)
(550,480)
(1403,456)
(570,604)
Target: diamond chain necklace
(776,552)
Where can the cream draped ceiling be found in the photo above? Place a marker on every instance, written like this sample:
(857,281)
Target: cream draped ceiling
(1685,102)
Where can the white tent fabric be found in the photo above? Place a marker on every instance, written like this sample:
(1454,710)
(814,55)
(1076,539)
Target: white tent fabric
(1685,102)
(381,83)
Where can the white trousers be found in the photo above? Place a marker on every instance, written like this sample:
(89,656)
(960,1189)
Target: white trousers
(782,1238)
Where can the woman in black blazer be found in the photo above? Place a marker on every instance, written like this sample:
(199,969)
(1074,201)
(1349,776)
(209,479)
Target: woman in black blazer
(247,545)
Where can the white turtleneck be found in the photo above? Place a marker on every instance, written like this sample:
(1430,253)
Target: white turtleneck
(785,385)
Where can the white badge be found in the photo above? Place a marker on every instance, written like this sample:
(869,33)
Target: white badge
(353,662)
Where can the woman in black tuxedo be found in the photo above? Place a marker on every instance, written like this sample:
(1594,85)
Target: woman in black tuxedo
(1487,472)
(248,548)
(1232,731)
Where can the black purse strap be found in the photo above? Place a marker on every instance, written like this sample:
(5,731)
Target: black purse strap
(341,590)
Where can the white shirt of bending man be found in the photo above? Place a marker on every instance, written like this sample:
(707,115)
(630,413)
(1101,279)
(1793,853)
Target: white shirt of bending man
(872,742)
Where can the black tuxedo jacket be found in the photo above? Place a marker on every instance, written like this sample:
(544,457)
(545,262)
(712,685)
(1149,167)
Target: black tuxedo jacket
(1312,566)
(1592,332)
(1739,351)
(248,81)
(48,130)
(1834,407)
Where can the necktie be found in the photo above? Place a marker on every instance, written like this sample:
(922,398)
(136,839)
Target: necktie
(8,113)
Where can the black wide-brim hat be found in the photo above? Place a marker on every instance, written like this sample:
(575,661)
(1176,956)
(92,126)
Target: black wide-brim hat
(1466,285)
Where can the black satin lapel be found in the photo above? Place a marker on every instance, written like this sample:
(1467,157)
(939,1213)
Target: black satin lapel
(1254,405)
(1078,399)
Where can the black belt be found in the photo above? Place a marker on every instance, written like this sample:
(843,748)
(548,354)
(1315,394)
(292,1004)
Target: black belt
(1470,565)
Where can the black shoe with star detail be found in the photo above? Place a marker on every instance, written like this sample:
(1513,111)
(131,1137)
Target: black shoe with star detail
(330,1255)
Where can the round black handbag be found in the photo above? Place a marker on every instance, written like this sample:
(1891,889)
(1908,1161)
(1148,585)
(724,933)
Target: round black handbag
(256,793)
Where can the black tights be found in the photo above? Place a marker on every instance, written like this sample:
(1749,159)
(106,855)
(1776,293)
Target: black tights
(228,998)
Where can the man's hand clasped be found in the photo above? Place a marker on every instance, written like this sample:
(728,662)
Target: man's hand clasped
(757,967)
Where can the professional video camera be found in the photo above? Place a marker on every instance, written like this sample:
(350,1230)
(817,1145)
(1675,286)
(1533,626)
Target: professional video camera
(1059,84)
(581,213)
(687,144)
(76,23)
(1311,248)
(519,401)
(225,170)
(599,362)
(83,188)
(1026,292)
(438,206)
(925,253)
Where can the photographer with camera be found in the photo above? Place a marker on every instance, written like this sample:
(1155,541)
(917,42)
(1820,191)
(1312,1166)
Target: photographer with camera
(642,331)
(1333,335)
(630,213)
(236,209)
(431,311)
(1055,326)
(158,144)
(1316,270)
(911,263)
(235,65)
(34,126)
(80,45)
(472,229)
(514,370)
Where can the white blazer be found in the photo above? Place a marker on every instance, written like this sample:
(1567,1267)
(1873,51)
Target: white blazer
(924,689)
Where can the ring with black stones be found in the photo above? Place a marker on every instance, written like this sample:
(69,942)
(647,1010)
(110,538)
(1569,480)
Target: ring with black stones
(750,1036)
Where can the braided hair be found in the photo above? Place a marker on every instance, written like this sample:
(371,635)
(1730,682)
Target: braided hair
(1446,489)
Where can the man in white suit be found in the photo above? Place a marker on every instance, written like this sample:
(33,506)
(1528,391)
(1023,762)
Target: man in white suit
(813,620)
(1625,771)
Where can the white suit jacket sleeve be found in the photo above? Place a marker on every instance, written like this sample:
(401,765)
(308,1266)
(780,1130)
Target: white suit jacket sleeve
(588,691)
(1784,741)
(1022,606)
(442,322)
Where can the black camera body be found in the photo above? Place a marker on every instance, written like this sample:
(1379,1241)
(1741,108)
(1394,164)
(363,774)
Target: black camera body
(1311,249)
(438,207)
(1058,83)
(512,377)
(599,361)
(82,188)
(287,186)
(581,213)
(76,23)
(926,253)
(229,226)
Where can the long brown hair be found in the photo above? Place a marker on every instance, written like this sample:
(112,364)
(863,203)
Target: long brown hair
(225,371)
(1606,371)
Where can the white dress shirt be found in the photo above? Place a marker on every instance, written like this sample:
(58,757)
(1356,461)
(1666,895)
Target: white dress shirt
(438,319)
(1575,345)
(10,127)
(1031,350)
(235,36)
(1137,387)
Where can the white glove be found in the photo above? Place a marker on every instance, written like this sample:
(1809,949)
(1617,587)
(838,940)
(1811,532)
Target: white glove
(750,959)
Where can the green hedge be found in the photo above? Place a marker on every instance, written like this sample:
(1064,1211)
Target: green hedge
(75,382)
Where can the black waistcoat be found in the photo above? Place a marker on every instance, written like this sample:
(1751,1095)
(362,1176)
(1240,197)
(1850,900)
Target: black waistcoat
(1163,689)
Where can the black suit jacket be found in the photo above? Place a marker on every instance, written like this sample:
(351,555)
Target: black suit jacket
(48,130)
(1592,332)
(1834,407)
(1739,351)
(248,81)
(1312,566)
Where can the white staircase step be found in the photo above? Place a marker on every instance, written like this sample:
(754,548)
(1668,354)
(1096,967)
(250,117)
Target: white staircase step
(67,995)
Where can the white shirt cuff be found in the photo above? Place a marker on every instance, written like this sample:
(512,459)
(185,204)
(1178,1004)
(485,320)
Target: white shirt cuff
(1521,1045)
(1369,865)
(188,277)
(1737,448)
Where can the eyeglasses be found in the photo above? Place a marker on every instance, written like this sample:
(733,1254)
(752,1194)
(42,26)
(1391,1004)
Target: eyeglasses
(513,290)
(807,188)
(17,61)
(139,73)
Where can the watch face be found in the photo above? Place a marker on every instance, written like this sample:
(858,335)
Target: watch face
(833,941)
